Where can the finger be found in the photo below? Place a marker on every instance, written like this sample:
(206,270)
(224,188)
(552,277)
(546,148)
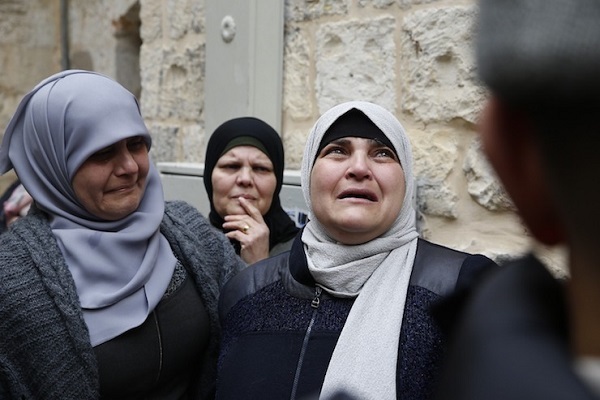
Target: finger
(245,229)
(251,209)
(236,217)
(237,235)
(242,225)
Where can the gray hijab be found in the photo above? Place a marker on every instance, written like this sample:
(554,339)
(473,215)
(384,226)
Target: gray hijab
(376,273)
(121,268)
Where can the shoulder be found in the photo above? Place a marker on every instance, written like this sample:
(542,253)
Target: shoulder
(183,220)
(252,279)
(522,307)
(441,269)
(196,243)
(519,284)
(29,234)
(282,247)
(182,212)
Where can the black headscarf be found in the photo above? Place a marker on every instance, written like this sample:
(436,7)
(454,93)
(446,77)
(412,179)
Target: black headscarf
(280,225)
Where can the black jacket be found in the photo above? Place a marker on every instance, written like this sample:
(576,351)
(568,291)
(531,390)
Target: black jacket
(280,332)
(512,341)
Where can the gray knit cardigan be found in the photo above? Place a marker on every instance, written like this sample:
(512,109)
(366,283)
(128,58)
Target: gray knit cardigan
(45,350)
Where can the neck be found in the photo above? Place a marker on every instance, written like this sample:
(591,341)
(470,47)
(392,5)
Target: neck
(584,304)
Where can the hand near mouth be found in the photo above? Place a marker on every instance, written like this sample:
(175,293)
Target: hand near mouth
(250,230)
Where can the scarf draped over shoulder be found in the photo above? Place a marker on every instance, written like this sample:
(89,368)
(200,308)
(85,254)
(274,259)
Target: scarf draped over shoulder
(121,268)
(376,273)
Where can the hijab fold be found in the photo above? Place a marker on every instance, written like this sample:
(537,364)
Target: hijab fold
(121,268)
(376,273)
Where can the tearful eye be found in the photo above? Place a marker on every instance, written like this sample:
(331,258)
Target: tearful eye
(136,143)
(103,154)
(385,152)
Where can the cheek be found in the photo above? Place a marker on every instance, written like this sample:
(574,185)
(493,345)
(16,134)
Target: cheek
(219,183)
(266,186)
(88,187)
(144,167)
(221,188)
(317,195)
(84,180)
(269,185)
(323,179)
(394,184)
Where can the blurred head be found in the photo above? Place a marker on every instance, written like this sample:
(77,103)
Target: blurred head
(244,158)
(540,126)
(357,173)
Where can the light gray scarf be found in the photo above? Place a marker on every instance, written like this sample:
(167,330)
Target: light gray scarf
(377,273)
(121,268)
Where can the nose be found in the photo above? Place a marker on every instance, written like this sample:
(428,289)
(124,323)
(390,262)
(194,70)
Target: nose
(125,163)
(244,177)
(359,167)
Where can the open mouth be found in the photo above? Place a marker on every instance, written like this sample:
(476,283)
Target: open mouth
(358,194)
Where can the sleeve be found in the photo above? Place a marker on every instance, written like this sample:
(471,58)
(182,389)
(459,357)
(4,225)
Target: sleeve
(449,310)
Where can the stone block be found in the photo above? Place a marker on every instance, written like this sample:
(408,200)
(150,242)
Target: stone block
(482,183)
(303,10)
(165,142)
(151,16)
(294,141)
(193,145)
(404,4)
(297,94)
(172,82)
(344,76)
(439,82)
(434,160)
(184,16)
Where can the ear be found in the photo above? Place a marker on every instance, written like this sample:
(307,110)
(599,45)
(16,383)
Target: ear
(510,142)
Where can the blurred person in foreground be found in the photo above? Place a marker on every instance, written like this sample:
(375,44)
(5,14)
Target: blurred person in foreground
(106,291)
(524,334)
(348,308)
(243,176)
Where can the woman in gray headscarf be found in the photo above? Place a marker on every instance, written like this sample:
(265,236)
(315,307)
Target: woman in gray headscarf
(106,290)
(347,310)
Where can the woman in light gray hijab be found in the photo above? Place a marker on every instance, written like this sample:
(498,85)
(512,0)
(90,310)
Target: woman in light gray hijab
(347,310)
(107,291)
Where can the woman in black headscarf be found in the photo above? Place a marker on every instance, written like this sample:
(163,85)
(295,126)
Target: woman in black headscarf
(243,174)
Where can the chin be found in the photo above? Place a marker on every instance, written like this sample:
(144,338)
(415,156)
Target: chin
(122,212)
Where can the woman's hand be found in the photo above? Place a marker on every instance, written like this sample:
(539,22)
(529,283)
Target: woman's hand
(250,230)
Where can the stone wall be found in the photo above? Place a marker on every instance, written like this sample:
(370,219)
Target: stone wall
(413,57)
(29,33)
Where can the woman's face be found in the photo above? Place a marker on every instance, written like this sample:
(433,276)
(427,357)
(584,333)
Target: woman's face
(110,184)
(357,189)
(243,171)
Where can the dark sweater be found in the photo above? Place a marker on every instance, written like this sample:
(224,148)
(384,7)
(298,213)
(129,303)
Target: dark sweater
(45,350)
(277,342)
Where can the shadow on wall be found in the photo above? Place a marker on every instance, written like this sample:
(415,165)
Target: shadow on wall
(129,42)
(126,30)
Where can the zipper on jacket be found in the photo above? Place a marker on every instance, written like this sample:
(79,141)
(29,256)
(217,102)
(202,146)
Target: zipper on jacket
(316,301)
